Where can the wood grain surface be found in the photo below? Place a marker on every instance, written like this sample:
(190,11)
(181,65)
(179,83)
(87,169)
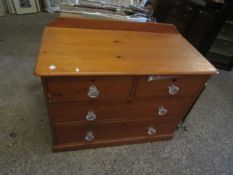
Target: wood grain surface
(116,52)
(116,110)
(110,142)
(188,86)
(68,133)
(113,25)
(117,58)
(75,89)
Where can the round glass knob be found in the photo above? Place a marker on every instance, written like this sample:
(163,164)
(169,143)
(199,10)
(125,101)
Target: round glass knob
(90,116)
(173,89)
(162,111)
(93,92)
(151,131)
(89,137)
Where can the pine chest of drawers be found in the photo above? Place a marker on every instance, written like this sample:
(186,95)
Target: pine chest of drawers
(110,82)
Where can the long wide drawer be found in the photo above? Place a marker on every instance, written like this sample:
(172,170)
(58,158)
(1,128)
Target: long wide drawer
(121,109)
(91,133)
(100,88)
(170,85)
(75,89)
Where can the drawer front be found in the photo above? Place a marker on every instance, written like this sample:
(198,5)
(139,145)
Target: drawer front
(75,89)
(159,109)
(88,134)
(170,86)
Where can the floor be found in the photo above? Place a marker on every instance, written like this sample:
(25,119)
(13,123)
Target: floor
(25,141)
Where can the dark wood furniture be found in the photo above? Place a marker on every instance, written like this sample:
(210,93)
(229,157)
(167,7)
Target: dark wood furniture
(198,21)
(110,82)
(221,52)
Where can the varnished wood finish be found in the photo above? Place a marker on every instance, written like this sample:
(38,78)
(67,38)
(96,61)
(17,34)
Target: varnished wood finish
(117,52)
(70,133)
(47,101)
(113,25)
(75,89)
(120,109)
(117,58)
(188,86)
(112,142)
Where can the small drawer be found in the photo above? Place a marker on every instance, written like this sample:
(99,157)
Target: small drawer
(169,86)
(160,109)
(75,89)
(88,134)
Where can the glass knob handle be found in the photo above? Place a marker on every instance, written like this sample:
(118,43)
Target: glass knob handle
(173,89)
(91,116)
(93,92)
(89,137)
(162,111)
(151,131)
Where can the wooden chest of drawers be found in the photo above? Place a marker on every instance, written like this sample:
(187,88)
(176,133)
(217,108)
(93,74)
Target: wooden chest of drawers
(110,82)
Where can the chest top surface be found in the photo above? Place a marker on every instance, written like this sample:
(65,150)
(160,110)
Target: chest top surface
(78,47)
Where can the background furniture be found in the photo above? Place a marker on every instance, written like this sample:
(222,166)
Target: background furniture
(221,52)
(2,9)
(19,7)
(198,21)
